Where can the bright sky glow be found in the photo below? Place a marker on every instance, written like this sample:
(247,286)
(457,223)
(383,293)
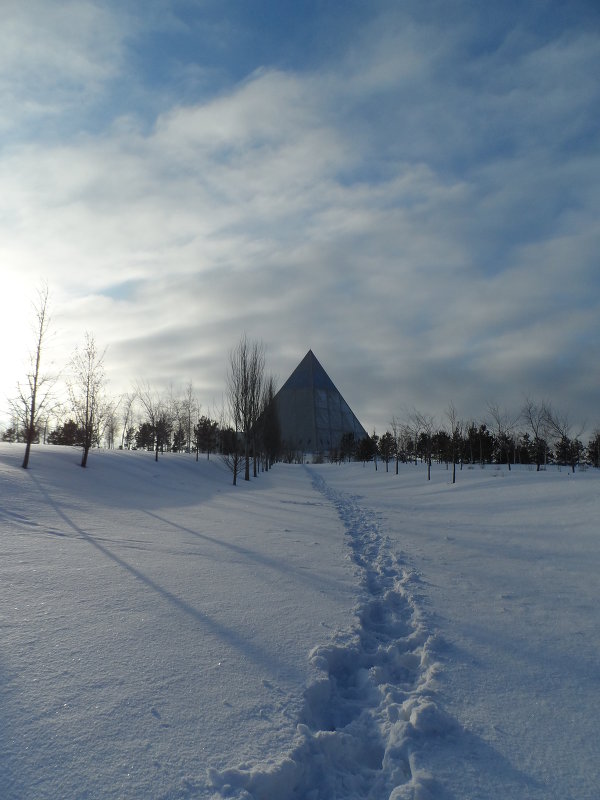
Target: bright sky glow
(409,189)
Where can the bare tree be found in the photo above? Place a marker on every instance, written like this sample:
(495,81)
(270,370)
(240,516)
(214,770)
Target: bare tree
(111,423)
(422,427)
(397,434)
(126,404)
(410,434)
(535,416)
(159,415)
(244,391)
(85,392)
(34,397)
(456,436)
(188,412)
(267,430)
(229,428)
(257,380)
(504,428)
(235,389)
(568,445)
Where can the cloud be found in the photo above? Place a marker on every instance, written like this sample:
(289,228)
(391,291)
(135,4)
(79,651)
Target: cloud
(54,59)
(419,214)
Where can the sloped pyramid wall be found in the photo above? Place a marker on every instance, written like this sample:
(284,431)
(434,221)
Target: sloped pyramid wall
(313,415)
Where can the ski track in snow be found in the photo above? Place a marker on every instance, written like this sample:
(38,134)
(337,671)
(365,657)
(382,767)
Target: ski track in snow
(372,705)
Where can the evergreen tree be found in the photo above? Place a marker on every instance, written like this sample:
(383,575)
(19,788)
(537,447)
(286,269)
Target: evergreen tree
(144,437)
(129,437)
(387,445)
(593,449)
(179,440)
(366,449)
(347,448)
(11,435)
(205,436)
(69,433)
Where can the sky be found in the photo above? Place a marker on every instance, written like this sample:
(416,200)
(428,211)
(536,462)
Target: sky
(409,189)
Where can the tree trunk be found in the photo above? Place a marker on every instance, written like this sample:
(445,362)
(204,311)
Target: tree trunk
(35,380)
(31,422)
(26,457)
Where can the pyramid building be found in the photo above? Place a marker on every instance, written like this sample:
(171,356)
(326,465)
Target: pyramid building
(313,415)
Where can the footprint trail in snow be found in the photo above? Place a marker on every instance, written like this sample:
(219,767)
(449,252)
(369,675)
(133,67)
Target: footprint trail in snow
(367,714)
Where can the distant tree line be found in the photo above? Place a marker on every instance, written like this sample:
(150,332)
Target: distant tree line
(249,439)
(163,423)
(246,432)
(537,435)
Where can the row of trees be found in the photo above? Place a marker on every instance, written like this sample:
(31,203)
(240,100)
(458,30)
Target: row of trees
(158,423)
(246,432)
(537,435)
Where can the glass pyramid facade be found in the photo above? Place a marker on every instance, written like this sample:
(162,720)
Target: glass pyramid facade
(313,415)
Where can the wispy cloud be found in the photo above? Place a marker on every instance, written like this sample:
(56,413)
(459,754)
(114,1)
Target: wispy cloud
(56,59)
(418,209)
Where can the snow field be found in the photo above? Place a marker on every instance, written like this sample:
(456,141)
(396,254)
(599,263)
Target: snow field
(322,632)
(155,621)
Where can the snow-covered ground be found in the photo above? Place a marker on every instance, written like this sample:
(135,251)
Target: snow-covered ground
(322,632)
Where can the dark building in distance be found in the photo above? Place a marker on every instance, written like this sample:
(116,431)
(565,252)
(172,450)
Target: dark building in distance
(313,415)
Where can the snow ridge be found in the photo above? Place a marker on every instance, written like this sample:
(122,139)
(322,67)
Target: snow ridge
(372,704)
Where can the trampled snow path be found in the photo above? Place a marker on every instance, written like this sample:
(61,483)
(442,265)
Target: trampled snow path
(372,702)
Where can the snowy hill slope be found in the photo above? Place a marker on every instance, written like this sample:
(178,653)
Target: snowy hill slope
(322,632)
